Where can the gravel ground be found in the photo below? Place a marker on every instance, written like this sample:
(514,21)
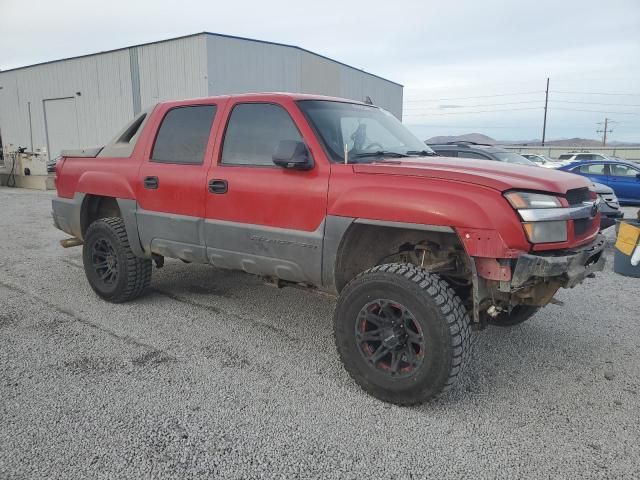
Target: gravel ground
(216,374)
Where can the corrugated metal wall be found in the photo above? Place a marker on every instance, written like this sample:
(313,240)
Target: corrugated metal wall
(107,89)
(102,87)
(240,66)
(99,85)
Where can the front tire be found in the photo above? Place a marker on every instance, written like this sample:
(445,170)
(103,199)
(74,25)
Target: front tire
(111,267)
(402,333)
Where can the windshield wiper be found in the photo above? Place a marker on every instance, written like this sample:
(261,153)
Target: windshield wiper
(422,153)
(380,153)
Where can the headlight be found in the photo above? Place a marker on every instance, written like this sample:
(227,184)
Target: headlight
(538,222)
(520,200)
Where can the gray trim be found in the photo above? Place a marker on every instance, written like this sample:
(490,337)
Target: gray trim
(117,149)
(66,214)
(293,255)
(335,229)
(411,226)
(128,210)
(171,235)
(134,68)
(551,214)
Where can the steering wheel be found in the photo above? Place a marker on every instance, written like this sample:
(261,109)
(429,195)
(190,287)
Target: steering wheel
(374,144)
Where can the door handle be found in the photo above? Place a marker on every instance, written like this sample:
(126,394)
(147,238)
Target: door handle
(151,183)
(218,186)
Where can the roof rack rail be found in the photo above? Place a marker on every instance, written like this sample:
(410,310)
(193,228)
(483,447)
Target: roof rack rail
(463,143)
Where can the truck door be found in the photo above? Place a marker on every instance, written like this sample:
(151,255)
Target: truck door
(172,181)
(262,218)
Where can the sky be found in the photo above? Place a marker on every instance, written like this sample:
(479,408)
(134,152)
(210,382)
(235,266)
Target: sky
(466,65)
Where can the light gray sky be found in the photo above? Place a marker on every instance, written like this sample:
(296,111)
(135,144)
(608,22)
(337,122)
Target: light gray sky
(441,51)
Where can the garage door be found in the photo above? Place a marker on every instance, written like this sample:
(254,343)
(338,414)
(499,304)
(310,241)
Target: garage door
(62,125)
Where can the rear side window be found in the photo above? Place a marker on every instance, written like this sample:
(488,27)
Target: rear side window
(253,133)
(623,171)
(184,134)
(465,154)
(447,153)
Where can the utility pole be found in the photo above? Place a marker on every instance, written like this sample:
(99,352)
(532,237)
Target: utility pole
(605,130)
(546,103)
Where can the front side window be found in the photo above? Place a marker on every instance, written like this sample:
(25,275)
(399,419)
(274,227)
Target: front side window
(184,134)
(365,132)
(254,132)
(623,171)
(593,169)
(585,156)
(565,156)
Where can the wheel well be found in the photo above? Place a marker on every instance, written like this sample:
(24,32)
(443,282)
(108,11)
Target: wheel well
(365,246)
(95,207)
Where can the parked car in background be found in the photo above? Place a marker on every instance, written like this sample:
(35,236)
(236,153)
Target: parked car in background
(51,164)
(480,151)
(622,177)
(542,160)
(582,157)
(609,206)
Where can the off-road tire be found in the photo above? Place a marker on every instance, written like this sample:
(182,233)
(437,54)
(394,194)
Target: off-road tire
(518,315)
(133,273)
(441,315)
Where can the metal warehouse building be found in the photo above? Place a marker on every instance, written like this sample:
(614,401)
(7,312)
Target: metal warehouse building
(84,101)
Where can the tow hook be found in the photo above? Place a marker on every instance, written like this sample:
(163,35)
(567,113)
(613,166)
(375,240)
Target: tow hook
(493,311)
(71,242)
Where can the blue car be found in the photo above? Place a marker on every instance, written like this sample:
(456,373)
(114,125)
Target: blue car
(622,177)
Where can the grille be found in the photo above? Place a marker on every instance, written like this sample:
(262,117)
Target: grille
(577,196)
(582,226)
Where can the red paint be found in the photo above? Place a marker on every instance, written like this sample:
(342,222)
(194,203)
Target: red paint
(490,269)
(465,194)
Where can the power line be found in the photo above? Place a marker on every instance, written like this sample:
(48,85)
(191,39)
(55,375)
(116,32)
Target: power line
(599,103)
(469,98)
(598,93)
(596,111)
(476,111)
(477,105)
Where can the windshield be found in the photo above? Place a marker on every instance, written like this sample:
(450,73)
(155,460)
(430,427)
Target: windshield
(364,132)
(511,157)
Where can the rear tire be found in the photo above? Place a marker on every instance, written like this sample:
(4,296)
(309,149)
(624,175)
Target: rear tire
(518,315)
(402,333)
(113,271)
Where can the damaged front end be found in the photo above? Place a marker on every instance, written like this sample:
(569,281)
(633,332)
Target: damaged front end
(499,285)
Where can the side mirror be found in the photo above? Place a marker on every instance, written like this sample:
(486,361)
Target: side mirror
(638,176)
(292,154)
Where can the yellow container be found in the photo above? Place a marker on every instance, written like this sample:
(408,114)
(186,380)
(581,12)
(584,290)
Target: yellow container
(628,235)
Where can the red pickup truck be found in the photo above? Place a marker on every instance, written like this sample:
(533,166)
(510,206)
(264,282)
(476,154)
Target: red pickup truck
(339,196)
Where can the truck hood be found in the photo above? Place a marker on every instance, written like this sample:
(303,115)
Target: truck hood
(493,174)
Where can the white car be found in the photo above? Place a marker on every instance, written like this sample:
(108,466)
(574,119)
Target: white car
(582,156)
(543,160)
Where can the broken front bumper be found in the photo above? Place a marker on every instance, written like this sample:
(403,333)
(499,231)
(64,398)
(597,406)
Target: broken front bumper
(570,268)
